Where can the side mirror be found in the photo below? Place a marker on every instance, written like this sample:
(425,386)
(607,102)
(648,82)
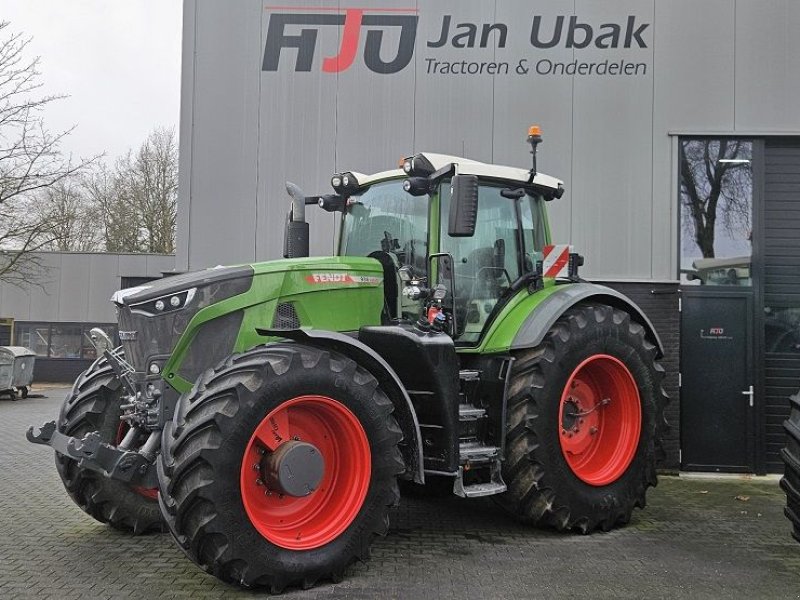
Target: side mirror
(463,206)
(100,340)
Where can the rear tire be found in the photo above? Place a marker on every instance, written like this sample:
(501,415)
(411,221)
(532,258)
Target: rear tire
(583,410)
(219,505)
(94,405)
(790,482)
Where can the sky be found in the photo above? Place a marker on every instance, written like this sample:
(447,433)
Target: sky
(118,61)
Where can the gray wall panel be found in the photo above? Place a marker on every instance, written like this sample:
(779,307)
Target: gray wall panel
(77,286)
(15,302)
(453,113)
(129,265)
(156,265)
(606,136)
(612,168)
(692,91)
(45,298)
(224,144)
(185,134)
(104,280)
(374,114)
(524,100)
(297,116)
(767,65)
(73,291)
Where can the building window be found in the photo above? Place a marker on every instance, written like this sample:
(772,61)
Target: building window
(716,211)
(61,340)
(35,336)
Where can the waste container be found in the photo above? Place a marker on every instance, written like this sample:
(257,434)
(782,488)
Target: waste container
(16,370)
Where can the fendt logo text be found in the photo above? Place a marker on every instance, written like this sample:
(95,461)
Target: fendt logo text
(293,34)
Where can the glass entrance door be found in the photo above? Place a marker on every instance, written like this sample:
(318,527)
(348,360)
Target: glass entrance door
(718,403)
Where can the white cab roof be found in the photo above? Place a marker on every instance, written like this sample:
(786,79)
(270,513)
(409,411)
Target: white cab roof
(465,166)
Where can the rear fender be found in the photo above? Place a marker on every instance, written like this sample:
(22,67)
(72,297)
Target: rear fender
(539,322)
(388,380)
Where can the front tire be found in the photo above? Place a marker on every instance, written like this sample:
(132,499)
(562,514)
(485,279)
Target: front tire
(790,482)
(94,405)
(584,408)
(218,455)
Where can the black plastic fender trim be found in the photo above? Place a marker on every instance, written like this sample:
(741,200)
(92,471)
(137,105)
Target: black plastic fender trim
(551,308)
(380,369)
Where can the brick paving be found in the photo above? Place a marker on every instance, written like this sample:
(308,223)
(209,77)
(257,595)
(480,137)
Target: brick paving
(694,540)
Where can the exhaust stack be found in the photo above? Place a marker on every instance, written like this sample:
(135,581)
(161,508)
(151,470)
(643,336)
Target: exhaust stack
(295,236)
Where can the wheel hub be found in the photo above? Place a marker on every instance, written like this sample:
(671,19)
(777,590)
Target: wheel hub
(305,472)
(600,419)
(295,469)
(569,418)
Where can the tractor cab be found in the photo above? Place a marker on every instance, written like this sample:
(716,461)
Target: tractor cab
(468,232)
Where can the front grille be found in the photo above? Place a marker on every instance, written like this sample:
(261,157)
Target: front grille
(212,343)
(157,334)
(145,336)
(286,317)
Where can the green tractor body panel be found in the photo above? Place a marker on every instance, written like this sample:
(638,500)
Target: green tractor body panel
(501,332)
(330,293)
(526,318)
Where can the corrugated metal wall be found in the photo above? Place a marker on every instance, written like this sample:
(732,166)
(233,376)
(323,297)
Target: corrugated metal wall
(713,66)
(781,259)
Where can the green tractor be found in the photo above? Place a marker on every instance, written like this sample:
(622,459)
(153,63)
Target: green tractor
(265,414)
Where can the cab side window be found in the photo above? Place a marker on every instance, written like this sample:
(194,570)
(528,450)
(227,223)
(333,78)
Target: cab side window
(533,229)
(486,263)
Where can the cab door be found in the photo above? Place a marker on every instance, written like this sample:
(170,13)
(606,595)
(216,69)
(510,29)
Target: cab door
(508,235)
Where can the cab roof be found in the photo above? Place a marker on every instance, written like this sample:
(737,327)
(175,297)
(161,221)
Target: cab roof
(466,166)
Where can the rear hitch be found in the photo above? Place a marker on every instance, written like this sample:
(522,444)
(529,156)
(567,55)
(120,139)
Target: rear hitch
(91,452)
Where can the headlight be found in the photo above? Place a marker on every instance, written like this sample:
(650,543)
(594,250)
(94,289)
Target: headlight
(344,184)
(164,304)
(418,166)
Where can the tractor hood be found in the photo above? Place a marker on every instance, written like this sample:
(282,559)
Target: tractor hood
(303,274)
(223,306)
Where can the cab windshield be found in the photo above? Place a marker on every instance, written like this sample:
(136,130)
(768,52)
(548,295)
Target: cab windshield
(386,221)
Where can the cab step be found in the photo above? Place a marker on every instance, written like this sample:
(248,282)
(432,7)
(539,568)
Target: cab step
(469,375)
(468,412)
(495,485)
(476,453)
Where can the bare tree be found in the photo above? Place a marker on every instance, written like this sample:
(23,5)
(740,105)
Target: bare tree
(117,214)
(138,198)
(716,185)
(31,160)
(72,215)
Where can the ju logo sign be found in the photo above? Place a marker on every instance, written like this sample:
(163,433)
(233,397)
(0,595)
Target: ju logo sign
(305,25)
(383,40)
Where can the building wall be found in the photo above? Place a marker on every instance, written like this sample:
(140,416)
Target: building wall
(722,66)
(77,286)
(73,293)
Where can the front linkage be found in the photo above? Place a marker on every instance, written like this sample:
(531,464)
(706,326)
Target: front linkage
(141,412)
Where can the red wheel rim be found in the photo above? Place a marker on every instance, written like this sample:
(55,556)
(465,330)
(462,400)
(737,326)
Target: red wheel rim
(151,493)
(599,420)
(303,523)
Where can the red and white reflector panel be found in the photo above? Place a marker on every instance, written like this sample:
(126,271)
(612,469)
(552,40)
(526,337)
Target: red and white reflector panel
(556,260)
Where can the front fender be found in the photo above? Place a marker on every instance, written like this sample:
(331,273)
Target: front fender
(388,380)
(547,312)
